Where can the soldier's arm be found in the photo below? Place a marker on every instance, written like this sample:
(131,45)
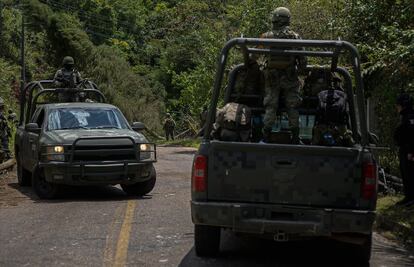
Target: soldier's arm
(58,79)
(302,60)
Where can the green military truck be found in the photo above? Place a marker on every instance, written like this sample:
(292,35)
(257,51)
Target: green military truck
(286,191)
(79,143)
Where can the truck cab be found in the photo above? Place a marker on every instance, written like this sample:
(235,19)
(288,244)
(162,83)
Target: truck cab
(281,190)
(79,143)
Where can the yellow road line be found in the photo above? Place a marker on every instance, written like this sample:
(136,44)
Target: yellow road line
(123,240)
(111,238)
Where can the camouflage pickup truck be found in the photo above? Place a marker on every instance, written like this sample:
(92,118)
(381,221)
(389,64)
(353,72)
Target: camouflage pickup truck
(79,143)
(286,191)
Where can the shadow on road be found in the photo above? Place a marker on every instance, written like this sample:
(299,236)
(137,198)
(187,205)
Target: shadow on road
(249,251)
(80,193)
(243,251)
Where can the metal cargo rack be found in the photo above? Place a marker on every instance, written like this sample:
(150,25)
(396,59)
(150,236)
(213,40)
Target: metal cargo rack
(321,49)
(31,93)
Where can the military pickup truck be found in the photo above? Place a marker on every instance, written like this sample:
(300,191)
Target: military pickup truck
(286,191)
(79,143)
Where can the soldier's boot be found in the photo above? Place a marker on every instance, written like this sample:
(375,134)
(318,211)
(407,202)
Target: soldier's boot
(295,135)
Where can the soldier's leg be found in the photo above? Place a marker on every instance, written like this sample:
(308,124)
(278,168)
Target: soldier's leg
(172,134)
(5,146)
(403,169)
(166,134)
(271,100)
(292,98)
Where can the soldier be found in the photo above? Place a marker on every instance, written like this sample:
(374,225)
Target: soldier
(4,131)
(403,137)
(281,76)
(12,117)
(67,77)
(169,125)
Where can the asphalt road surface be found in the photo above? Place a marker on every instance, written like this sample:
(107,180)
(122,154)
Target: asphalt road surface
(101,226)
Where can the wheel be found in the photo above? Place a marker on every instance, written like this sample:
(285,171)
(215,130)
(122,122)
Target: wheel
(207,240)
(23,176)
(141,188)
(363,251)
(43,188)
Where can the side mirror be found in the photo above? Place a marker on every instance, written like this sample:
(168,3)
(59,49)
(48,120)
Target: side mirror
(138,126)
(32,127)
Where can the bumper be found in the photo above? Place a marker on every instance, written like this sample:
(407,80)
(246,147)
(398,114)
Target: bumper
(96,174)
(290,220)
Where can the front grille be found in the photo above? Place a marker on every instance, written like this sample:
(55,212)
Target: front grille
(104,153)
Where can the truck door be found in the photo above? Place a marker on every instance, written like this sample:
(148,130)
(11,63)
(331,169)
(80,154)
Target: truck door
(32,146)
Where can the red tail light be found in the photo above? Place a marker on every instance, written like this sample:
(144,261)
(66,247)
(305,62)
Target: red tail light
(200,173)
(369,180)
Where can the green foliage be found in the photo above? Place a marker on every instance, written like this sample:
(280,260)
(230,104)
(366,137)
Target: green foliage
(151,54)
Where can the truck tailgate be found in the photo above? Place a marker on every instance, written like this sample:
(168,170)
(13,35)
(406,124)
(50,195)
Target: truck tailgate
(284,174)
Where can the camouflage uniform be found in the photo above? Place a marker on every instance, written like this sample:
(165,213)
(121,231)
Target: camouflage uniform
(12,117)
(169,125)
(281,76)
(67,77)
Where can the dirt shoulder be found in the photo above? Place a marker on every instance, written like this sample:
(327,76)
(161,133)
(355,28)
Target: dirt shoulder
(395,221)
(11,194)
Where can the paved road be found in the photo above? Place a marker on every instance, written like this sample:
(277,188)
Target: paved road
(100,226)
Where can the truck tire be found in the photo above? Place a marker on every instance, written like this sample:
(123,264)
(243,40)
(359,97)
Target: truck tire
(42,188)
(23,176)
(141,188)
(363,251)
(207,240)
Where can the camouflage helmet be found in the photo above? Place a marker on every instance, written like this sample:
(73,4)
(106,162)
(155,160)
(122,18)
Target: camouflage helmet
(68,61)
(281,16)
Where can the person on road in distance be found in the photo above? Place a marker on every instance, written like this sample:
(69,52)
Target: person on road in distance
(4,131)
(67,77)
(281,76)
(169,125)
(404,138)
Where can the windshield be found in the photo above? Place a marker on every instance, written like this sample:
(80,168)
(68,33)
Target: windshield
(85,118)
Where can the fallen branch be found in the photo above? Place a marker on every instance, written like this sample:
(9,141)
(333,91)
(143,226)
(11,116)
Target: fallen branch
(7,164)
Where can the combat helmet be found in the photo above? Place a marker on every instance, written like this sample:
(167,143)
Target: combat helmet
(281,16)
(68,62)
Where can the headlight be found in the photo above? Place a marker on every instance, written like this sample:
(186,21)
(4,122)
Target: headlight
(58,149)
(55,153)
(145,147)
(147,152)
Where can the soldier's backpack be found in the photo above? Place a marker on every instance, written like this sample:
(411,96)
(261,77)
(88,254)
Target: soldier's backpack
(281,61)
(234,122)
(332,107)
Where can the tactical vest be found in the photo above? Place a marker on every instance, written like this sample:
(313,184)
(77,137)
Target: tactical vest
(279,61)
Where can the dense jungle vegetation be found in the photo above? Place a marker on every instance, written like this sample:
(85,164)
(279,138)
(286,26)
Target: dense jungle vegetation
(156,56)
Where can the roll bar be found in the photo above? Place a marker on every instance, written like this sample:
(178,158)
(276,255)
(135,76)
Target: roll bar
(29,98)
(278,47)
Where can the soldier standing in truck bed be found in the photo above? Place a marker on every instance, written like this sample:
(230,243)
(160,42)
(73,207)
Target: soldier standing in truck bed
(281,76)
(67,77)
